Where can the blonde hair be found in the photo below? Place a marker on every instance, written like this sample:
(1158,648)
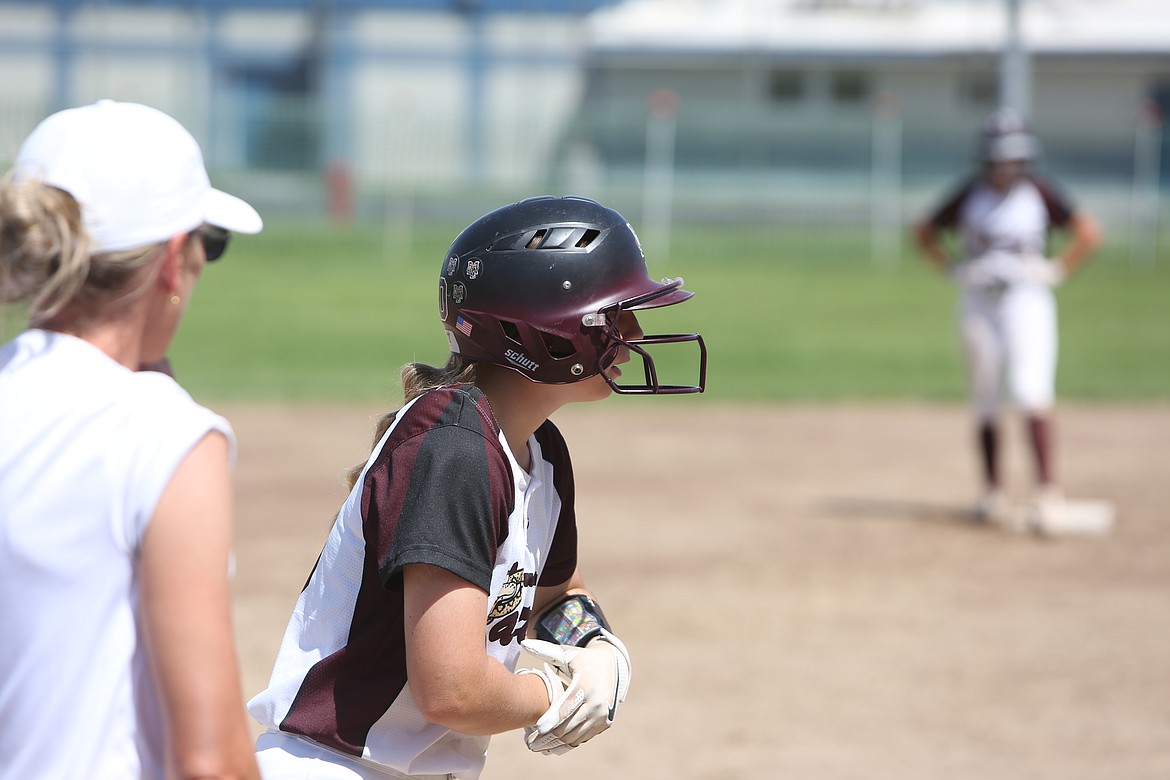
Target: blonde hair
(46,256)
(417,379)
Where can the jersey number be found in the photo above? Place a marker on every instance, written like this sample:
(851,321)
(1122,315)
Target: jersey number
(511,628)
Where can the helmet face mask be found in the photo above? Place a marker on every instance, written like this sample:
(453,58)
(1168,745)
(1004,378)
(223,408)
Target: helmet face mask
(539,286)
(613,340)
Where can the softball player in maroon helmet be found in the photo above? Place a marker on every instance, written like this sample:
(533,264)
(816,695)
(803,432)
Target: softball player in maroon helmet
(457,545)
(1006,275)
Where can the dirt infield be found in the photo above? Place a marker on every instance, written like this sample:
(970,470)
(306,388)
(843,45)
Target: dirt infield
(802,594)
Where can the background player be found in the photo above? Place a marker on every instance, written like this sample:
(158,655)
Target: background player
(459,534)
(116,653)
(1007,311)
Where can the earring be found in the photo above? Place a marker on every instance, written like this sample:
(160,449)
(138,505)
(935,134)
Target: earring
(175,300)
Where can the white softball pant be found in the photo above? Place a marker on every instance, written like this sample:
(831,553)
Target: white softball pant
(289,757)
(1012,332)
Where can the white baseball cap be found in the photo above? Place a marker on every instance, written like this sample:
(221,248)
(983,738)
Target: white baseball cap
(137,173)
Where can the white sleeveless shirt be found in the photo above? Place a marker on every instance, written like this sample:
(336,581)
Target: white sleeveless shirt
(86,448)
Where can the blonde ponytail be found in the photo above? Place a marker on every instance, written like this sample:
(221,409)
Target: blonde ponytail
(44,247)
(46,255)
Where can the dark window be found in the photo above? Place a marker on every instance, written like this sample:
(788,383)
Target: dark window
(281,125)
(786,86)
(849,87)
(980,90)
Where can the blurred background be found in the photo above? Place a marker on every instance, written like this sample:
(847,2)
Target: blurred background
(755,133)
(798,110)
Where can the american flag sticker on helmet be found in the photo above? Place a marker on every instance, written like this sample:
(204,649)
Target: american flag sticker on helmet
(463,326)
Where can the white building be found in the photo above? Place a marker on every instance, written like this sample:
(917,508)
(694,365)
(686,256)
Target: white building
(781,83)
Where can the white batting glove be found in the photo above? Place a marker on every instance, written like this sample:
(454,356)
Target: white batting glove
(599,678)
(555,688)
(1043,271)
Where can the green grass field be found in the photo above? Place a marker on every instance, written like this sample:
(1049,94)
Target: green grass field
(310,312)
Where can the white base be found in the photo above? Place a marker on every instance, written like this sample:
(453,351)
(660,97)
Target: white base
(1067,518)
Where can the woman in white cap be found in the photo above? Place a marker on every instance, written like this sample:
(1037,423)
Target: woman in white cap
(1006,272)
(117,656)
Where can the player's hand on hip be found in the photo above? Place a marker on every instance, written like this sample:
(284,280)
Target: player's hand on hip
(599,678)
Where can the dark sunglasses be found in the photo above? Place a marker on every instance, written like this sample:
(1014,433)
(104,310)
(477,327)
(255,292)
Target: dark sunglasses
(214,240)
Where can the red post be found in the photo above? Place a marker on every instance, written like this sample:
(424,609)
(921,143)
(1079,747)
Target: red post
(663,103)
(340,186)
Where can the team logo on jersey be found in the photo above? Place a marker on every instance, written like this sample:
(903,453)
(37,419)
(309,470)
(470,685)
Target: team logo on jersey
(459,292)
(508,618)
(452,264)
(511,594)
(472,269)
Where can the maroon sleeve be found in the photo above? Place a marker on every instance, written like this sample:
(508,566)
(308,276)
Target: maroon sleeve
(562,556)
(946,216)
(439,493)
(1059,209)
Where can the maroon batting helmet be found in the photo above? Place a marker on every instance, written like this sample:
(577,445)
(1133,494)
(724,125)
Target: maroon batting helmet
(1006,136)
(538,287)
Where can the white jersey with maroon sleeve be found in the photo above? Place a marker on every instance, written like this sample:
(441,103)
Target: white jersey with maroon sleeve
(998,230)
(440,488)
